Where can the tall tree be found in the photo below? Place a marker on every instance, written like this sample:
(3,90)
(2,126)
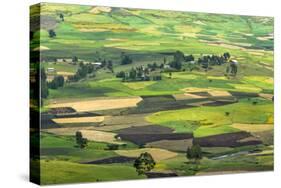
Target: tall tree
(144,163)
(75,59)
(125,60)
(52,33)
(57,82)
(194,152)
(80,141)
(61,17)
(110,66)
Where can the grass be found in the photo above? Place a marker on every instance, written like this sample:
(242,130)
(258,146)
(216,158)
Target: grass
(58,172)
(238,163)
(138,85)
(212,121)
(111,86)
(61,67)
(214,130)
(54,147)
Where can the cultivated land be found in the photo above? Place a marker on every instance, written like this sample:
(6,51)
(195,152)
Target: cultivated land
(231,117)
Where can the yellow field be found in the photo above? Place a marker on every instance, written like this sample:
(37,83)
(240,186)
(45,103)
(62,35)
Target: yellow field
(65,73)
(41,48)
(253,127)
(217,93)
(100,136)
(69,131)
(94,105)
(97,10)
(187,96)
(266,96)
(157,154)
(246,88)
(87,132)
(196,89)
(96,119)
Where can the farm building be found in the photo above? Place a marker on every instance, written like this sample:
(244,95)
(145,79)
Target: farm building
(167,66)
(51,70)
(64,60)
(96,63)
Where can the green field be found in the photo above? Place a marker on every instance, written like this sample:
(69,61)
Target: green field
(141,57)
(209,121)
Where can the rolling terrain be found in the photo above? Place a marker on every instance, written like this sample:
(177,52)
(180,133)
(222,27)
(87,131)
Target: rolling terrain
(230,117)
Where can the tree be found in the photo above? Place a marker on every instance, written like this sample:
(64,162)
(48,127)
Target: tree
(125,60)
(144,163)
(178,59)
(103,64)
(189,58)
(82,71)
(194,153)
(61,17)
(176,64)
(80,141)
(133,74)
(226,55)
(74,59)
(52,33)
(57,82)
(110,66)
(164,60)
(179,56)
(121,74)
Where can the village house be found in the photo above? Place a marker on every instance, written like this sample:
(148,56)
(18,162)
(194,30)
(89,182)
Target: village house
(51,70)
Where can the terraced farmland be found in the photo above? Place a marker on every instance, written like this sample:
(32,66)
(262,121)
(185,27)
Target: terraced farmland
(130,87)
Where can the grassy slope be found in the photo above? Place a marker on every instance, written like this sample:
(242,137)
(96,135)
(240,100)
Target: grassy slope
(111,86)
(140,33)
(55,172)
(211,121)
(143,34)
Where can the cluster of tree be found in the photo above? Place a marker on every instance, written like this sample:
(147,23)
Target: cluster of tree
(211,60)
(140,73)
(52,33)
(80,141)
(125,59)
(179,58)
(83,71)
(57,82)
(194,152)
(107,64)
(155,66)
(144,163)
(75,60)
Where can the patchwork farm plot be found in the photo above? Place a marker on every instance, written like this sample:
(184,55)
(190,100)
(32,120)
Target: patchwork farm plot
(191,93)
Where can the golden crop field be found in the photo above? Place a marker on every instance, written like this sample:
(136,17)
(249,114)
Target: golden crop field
(79,120)
(95,105)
